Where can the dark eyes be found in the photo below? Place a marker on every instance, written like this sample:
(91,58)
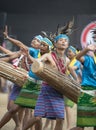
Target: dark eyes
(43,45)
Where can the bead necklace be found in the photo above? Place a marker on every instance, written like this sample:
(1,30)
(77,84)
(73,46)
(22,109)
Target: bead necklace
(62,58)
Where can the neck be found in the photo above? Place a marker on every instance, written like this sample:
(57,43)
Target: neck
(60,52)
(42,53)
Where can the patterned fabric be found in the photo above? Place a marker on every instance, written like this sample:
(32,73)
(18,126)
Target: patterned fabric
(60,63)
(30,90)
(23,63)
(15,92)
(28,94)
(86,110)
(50,103)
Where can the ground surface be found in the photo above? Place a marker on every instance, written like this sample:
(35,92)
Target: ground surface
(10,125)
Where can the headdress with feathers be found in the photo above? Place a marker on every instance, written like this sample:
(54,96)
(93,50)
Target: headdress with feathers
(66,29)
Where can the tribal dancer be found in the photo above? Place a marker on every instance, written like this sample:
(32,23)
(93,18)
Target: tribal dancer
(32,51)
(49,97)
(86,107)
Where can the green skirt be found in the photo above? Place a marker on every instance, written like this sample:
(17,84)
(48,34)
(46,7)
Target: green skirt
(86,109)
(29,94)
(68,102)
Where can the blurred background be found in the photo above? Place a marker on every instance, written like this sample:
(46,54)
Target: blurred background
(25,19)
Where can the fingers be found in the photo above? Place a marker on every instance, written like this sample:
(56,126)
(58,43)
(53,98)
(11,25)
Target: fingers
(24,51)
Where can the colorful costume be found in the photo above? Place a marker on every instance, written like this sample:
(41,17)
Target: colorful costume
(31,88)
(86,115)
(15,92)
(50,103)
(73,62)
(76,63)
(16,89)
(29,93)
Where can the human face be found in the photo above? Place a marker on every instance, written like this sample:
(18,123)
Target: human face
(44,48)
(94,38)
(35,43)
(70,54)
(62,44)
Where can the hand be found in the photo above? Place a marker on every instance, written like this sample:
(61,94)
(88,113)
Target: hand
(91,47)
(5,34)
(24,51)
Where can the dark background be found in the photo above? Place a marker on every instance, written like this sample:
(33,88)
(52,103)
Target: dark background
(27,18)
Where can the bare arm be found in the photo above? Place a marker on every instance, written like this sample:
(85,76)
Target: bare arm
(73,73)
(44,58)
(6,51)
(25,52)
(74,68)
(80,55)
(12,57)
(47,58)
(71,70)
(14,41)
(31,58)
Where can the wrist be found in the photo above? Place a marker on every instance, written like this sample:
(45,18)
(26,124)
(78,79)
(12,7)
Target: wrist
(7,37)
(87,49)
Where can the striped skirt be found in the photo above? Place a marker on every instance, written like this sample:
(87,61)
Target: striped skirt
(86,109)
(50,104)
(28,95)
(15,92)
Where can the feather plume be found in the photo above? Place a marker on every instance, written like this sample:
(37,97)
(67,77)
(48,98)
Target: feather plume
(66,29)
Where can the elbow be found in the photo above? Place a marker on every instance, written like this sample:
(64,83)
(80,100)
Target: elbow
(70,68)
(77,57)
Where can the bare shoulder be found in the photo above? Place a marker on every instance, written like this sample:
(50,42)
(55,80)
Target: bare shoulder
(67,60)
(48,54)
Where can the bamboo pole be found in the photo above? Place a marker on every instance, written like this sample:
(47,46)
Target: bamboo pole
(14,74)
(65,85)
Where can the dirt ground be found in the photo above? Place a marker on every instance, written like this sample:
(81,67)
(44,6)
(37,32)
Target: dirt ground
(10,125)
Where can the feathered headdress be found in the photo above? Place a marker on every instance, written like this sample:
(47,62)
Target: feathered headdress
(66,29)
